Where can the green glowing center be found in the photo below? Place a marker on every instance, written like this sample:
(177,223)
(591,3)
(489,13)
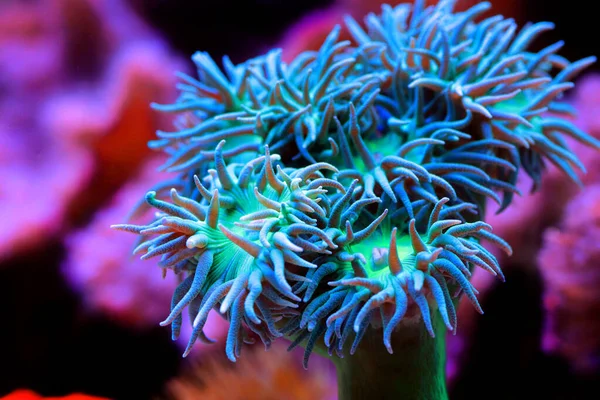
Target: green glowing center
(376,253)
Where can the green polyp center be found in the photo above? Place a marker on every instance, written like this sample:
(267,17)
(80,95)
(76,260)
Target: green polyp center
(383,146)
(379,147)
(239,141)
(514,105)
(416,370)
(376,253)
(229,257)
(389,145)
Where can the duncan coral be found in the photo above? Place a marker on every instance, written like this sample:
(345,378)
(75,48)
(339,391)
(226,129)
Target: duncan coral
(345,192)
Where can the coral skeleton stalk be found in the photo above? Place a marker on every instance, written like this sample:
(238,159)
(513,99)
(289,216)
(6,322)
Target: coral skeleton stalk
(343,193)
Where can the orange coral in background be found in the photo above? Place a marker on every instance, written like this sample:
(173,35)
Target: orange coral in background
(24,394)
(259,375)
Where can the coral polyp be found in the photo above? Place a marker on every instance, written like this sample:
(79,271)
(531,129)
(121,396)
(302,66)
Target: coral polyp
(260,226)
(344,193)
(250,237)
(403,272)
(442,67)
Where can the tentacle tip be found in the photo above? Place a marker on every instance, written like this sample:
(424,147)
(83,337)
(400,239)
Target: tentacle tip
(388,346)
(231,357)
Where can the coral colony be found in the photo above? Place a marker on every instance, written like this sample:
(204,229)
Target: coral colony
(343,194)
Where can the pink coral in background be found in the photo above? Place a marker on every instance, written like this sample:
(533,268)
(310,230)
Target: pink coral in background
(587,103)
(570,266)
(95,268)
(107,284)
(34,195)
(76,79)
(33,165)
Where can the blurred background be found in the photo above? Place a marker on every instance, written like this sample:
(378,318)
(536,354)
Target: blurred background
(80,315)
